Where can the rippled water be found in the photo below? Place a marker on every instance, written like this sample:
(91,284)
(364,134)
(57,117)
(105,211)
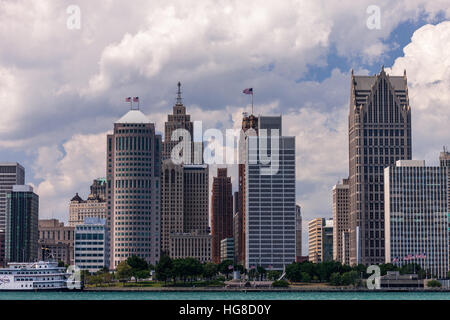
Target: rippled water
(86,295)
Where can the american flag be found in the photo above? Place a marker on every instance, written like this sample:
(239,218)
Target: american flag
(136,99)
(230,267)
(248,91)
(395,260)
(252,267)
(128,99)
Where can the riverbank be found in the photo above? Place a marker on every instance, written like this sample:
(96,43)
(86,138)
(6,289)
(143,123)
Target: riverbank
(290,289)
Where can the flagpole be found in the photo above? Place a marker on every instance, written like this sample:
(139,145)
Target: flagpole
(252,101)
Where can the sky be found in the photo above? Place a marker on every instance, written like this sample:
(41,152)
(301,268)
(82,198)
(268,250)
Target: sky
(66,67)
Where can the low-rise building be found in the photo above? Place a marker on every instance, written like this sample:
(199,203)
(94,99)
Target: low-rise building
(191,245)
(227,249)
(92,245)
(56,241)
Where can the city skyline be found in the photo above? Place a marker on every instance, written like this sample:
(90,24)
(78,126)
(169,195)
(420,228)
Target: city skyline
(64,118)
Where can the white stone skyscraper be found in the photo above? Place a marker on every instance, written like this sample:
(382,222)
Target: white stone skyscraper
(133,188)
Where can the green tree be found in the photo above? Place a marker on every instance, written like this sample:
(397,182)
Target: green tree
(434,284)
(273,275)
(137,263)
(261,272)
(123,271)
(350,278)
(293,272)
(335,279)
(385,267)
(224,267)
(305,277)
(410,268)
(209,270)
(164,268)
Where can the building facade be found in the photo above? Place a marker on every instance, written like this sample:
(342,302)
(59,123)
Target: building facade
(11,174)
(133,167)
(92,207)
(191,245)
(269,196)
(320,240)
(341,218)
(249,128)
(226,249)
(221,212)
(92,245)
(56,241)
(179,119)
(379,135)
(298,232)
(22,235)
(172,202)
(417,216)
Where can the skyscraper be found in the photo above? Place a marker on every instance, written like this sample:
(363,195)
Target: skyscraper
(133,177)
(22,233)
(172,202)
(249,128)
(179,120)
(417,216)
(10,174)
(341,222)
(269,222)
(221,211)
(379,135)
(94,206)
(298,232)
(320,240)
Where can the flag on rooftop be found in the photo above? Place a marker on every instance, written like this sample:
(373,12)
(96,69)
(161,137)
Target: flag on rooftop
(248,91)
(128,99)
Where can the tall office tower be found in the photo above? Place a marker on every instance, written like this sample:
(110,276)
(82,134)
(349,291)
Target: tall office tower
(184,210)
(22,233)
(172,202)
(315,240)
(180,120)
(341,222)
(236,230)
(269,196)
(196,198)
(133,173)
(55,241)
(249,128)
(379,135)
(444,159)
(221,211)
(416,216)
(298,232)
(320,240)
(10,174)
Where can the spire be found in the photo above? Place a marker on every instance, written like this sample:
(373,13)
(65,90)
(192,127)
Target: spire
(179,100)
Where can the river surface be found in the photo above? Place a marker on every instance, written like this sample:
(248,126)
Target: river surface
(133,295)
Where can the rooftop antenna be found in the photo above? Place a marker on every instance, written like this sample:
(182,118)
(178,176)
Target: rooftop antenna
(179,100)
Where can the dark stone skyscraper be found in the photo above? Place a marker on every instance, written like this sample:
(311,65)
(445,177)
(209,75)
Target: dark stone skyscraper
(221,211)
(379,135)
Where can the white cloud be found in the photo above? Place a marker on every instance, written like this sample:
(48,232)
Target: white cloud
(64,172)
(427,63)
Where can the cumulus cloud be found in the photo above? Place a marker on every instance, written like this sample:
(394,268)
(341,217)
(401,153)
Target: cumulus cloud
(64,171)
(427,64)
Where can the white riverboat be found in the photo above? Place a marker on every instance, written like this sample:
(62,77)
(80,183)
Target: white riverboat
(33,276)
